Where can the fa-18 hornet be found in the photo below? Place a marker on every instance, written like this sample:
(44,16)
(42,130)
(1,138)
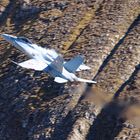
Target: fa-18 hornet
(48,60)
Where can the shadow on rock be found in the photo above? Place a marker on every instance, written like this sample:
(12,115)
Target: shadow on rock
(110,121)
(22,97)
(51,89)
(9,10)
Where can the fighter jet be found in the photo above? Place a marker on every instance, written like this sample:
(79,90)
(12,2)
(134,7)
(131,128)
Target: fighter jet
(48,60)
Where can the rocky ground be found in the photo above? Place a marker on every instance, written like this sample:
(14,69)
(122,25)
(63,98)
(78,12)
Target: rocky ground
(107,33)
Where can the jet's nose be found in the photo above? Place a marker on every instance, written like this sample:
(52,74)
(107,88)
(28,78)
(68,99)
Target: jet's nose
(8,38)
(5,36)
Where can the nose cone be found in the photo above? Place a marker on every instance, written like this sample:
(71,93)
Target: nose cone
(8,38)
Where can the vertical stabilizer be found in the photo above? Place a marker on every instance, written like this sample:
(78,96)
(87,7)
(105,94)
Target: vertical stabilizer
(74,63)
(57,64)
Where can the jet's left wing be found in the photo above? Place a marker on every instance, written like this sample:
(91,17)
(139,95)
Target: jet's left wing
(32,64)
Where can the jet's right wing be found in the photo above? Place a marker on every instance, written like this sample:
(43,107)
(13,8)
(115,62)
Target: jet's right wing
(86,81)
(32,64)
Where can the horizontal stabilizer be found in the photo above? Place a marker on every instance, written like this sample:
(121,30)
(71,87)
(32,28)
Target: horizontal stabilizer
(60,80)
(74,63)
(86,81)
(32,64)
(83,67)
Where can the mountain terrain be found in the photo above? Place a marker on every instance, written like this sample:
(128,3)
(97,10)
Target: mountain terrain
(107,33)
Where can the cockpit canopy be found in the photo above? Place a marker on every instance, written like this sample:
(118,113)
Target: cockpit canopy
(24,39)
